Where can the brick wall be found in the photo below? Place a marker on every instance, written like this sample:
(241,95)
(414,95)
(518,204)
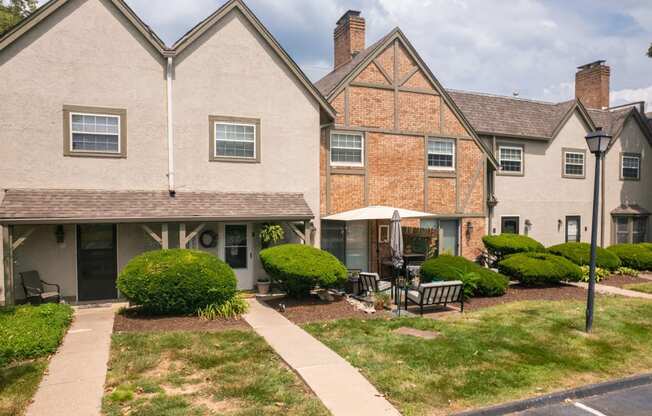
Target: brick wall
(592,85)
(346,192)
(472,247)
(371,107)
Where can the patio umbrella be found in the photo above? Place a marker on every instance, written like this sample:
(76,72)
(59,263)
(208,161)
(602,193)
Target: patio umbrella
(396,244)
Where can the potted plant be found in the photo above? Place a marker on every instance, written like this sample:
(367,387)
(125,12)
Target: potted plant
(263,285)
(271,234)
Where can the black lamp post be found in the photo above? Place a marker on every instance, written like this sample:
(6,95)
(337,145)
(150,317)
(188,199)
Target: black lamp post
(598,141)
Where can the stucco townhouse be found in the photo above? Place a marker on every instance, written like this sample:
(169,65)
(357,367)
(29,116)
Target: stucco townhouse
(544,185)
(113,143)
(399,140)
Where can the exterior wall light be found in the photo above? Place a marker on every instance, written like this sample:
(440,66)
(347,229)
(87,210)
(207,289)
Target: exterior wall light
(469,230)
(60,234)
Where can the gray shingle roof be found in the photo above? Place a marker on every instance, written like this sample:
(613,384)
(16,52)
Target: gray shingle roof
(493,114)
(52,205)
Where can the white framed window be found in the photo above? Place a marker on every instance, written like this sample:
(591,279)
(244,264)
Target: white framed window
(511,159)
(574,162)
(630,166)
(94,133)
(441,154)
(347,149)
(235,140)
(383,233)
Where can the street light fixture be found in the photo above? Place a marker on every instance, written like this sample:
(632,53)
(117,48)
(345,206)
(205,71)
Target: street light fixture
(598,141)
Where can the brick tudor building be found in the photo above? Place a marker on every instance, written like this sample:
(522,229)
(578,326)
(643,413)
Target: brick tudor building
(398,140)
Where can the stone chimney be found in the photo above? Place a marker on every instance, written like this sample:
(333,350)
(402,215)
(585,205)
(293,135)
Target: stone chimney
(592,84)
(349,37)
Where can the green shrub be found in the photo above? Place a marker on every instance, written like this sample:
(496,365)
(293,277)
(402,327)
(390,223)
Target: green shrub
(539,268)
(646,245)
(600,273)
(478,281)
(505,244)
(635,256)
(298,268)
(627,271)
(32,331)
(176,281)
(580,254)
(232,308)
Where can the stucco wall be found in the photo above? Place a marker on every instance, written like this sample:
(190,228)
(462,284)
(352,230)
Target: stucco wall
(85,54)
(230,71)
(618,191)
(542,195)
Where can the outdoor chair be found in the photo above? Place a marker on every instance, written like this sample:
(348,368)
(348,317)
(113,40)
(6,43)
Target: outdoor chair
(370,283)
(34,289)
(436,294)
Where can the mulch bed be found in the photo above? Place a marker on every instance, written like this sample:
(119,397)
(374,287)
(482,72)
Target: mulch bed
(516,293)
(620,281)
(133,322)
(303,311)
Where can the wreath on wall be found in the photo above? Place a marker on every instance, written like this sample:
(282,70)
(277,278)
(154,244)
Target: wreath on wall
(208,239)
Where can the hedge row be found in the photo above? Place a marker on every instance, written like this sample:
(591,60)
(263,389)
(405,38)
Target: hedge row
(478,281)
(539,268)
(635,256)
(503,245)
(580,254)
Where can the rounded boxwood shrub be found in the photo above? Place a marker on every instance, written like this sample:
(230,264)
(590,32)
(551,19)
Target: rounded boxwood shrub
(298,268)
(478,281)
(176,281)
(535,269)
(636,256)
(580,254)
(505,244)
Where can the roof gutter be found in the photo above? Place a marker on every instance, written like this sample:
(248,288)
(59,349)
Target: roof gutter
(171,184)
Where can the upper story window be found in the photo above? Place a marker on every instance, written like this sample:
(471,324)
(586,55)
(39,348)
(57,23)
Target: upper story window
(346,149)
(92,131)
(441,154)
(511,159)
(630,166)
(234,139)
(573,163)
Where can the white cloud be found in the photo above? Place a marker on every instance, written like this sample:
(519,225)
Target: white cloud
(632,95)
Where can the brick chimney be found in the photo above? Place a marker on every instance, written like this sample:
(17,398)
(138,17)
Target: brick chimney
(592,84)
(349,37)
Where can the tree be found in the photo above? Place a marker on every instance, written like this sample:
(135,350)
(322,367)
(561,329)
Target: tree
(13,11)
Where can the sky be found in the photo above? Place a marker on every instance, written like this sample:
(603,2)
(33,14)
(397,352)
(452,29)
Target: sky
(529,47)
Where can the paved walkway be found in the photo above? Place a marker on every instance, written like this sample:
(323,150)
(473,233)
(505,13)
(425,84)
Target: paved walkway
(74,383)
(612,290)
(337,383)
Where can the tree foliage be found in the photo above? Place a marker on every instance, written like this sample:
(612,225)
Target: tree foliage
(12,11)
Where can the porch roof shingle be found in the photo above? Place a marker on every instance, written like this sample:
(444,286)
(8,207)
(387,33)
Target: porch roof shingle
(75,205)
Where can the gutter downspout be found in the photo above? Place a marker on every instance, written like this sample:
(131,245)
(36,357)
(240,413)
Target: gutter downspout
(171,188)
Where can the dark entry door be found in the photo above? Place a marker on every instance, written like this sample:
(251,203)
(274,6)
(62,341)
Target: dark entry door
(97,267)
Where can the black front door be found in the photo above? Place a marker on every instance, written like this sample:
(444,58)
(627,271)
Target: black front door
(97,266)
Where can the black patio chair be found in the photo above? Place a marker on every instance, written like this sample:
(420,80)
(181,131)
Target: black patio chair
(35,291)
(369,283)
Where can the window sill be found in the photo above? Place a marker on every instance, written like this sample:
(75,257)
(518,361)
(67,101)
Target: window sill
(434,173)
(498,173)
(347,170)
(96,155)
(630,179)
(573,176)
(233,159)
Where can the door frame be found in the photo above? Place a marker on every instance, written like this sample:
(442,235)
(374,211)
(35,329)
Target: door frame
(579,228)
(77,256)
(250,251)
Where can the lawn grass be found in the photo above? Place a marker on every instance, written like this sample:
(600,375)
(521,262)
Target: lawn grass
(28,335)
(199,373)
(497,354)
(640,287)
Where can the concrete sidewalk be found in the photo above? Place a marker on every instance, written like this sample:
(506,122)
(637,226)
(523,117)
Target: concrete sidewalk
(74,382)
(337,383)
(612,290)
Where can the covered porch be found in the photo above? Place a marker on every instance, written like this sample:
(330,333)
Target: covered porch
(80,240)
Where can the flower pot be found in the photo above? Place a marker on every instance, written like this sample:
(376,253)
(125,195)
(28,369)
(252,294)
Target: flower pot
(263,287)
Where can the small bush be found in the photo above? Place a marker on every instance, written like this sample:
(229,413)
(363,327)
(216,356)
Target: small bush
(176,281)
(503,245)
(32,331)
(635,256)
(539,268)
(298,268)
(580,254)
(600,273)
(478,281)
(232,308)
(627,271)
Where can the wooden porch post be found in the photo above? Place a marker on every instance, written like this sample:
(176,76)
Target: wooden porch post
(165,240)
(8,257)
(182,235)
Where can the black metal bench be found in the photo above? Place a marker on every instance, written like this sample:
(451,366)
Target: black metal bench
(436,294)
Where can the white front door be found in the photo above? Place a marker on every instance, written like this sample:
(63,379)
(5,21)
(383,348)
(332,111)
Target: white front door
(237,252)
